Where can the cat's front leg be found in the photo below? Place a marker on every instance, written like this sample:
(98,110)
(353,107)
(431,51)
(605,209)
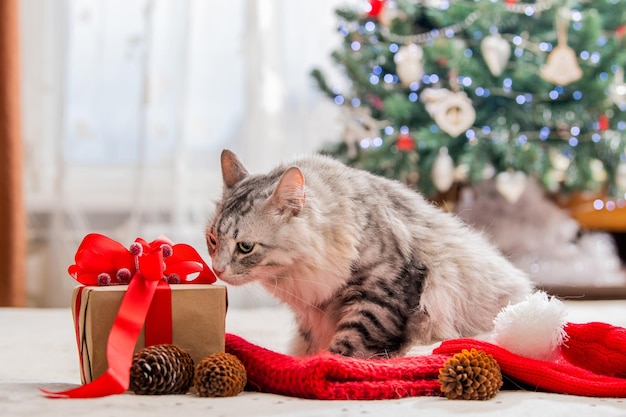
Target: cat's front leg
(367,333)
(301,344)
(314,332)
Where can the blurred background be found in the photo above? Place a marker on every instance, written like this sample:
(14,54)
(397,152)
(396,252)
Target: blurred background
(509,113)
(127,105)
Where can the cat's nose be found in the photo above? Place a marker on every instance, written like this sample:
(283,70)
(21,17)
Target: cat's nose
(218,269)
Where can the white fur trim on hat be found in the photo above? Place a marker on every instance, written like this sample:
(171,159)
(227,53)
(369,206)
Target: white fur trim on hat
(533,328)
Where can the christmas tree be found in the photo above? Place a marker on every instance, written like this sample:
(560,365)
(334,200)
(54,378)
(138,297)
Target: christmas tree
(443,93)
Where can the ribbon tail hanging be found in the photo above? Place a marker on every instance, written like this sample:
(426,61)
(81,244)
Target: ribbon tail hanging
(121,343)
(107,384)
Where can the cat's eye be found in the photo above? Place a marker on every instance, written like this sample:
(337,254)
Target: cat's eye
(245,247)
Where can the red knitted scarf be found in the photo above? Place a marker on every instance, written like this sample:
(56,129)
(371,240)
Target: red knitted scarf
(592,363)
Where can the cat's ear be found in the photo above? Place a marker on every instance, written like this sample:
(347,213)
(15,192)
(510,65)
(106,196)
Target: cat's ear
(289,196)
(233,170)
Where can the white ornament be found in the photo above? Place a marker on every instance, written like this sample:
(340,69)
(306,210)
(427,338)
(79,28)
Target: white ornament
(437,4)
(598,173)
(553,179)
(443,171)
(360,126)
(388,12)
(617,90)
(452,111)
(559,161)
(557,173)
(409,64)
(488,172)
(496,52)
(511,185)
(562,67)
(620,176)
(461,172)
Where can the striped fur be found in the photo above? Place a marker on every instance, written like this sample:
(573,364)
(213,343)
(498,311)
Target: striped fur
(368,266)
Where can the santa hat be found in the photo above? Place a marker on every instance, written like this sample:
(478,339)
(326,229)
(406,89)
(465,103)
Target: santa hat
(533,345)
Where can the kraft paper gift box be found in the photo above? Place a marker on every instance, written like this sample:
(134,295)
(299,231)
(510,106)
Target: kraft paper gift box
(198,322)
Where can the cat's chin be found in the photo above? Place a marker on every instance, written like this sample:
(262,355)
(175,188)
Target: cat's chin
(236,280)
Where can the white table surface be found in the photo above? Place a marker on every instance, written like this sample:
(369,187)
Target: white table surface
(37,349)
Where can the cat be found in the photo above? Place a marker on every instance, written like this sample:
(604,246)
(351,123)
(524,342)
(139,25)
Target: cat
(368,266)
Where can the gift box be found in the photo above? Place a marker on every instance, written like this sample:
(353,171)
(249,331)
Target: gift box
(150,293)
(198,315)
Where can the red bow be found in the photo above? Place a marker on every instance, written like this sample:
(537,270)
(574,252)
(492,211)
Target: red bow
(144,267)
(103,261)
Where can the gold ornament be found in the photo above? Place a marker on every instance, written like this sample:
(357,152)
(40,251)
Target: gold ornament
(562,67)
(496,52)
(452,111)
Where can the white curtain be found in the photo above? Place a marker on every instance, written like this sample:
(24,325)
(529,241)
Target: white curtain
(127,105)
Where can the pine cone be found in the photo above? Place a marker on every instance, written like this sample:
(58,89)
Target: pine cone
(161,370)
(470,375)
(220,375)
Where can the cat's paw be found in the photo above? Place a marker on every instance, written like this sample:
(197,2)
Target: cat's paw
(343,347)
(346,348)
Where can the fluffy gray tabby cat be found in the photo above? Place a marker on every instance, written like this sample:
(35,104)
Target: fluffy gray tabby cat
(368,266)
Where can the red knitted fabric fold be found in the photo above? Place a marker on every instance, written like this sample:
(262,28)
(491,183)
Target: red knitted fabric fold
(599,347)
(592,363)
(560,376)
(334,377)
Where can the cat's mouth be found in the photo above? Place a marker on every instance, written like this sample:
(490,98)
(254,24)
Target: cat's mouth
(234,280)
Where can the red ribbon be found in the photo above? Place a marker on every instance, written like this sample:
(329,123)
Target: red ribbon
(148,267)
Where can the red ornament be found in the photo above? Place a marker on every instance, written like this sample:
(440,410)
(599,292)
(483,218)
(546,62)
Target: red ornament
(442,62)
(603,122)
(376,6)
(405,143)
(376,102)
(620,31)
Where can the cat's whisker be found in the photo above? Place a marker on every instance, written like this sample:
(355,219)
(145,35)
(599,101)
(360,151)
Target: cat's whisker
(275,286)
(315,281)
(381,355)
